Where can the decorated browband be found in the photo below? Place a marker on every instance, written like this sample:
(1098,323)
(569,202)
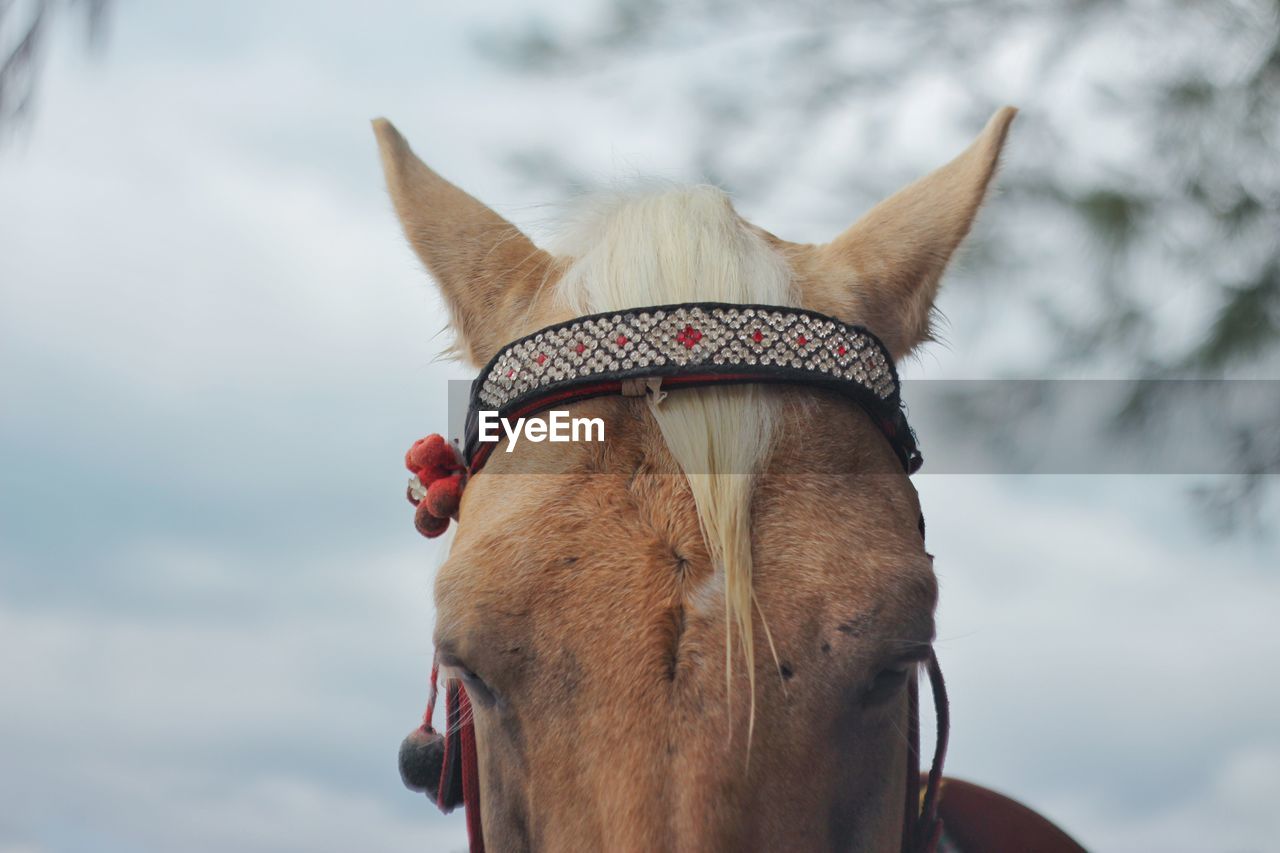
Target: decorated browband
(638,350)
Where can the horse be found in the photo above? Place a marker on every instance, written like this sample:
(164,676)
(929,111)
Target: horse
(703,633)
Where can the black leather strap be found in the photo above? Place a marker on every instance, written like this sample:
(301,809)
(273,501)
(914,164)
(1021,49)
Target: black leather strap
(690,345)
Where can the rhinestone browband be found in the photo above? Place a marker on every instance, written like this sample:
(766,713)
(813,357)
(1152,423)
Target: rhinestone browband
(688,345)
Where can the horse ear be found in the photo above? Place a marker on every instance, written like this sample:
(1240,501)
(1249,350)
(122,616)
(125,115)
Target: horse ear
(488,271)
(885,269)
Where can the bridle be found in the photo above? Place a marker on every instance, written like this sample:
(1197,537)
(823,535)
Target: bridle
(647,351)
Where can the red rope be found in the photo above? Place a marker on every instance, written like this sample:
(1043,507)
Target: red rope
(470,775)
(431,699)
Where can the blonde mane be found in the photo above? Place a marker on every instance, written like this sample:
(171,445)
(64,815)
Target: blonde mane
(686,244)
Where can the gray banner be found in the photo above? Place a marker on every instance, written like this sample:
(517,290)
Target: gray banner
(1078,426)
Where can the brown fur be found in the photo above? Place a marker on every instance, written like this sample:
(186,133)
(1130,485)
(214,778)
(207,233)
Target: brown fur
(587,603)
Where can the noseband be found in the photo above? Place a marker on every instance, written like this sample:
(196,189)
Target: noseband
(648,351)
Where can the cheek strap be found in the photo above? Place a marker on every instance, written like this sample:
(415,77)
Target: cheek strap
(469,770)
(921,824)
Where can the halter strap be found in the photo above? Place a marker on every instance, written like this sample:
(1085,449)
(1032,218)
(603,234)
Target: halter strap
(690,345)
(929,825)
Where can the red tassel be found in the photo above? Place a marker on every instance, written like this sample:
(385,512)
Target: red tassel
(440,470)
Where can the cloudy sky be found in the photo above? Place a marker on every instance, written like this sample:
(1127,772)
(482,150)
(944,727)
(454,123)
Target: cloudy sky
(214,349)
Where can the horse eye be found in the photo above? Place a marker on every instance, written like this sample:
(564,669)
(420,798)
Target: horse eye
(887,683)
(477,690)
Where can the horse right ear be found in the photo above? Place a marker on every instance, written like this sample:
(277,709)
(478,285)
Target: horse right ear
(488,271)
(884,270)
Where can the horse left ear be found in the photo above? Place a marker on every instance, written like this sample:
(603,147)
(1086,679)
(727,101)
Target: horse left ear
(488,271)
(884,271)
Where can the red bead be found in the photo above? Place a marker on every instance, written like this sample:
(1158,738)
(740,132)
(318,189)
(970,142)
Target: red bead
(411,456)
(542,357)
(581,347)
(430,474)
(429,525)
(840,350)
(444,495)
(802,340)
(431,452)
(622,339)
(443,454)
(757,337)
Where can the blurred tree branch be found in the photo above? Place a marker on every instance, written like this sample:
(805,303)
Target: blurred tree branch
(24,30)
(1148,208)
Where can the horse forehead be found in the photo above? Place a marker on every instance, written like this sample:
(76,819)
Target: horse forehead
(832,487)
(611,541)
(544,539)
(583,526)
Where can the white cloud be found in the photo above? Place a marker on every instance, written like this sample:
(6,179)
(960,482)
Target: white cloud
(272,730)
(1108,677)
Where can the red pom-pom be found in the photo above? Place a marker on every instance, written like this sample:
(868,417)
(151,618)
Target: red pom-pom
(411,455)
(430,474)
(443,496)
(431,452)
(429,525)
(439,468)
